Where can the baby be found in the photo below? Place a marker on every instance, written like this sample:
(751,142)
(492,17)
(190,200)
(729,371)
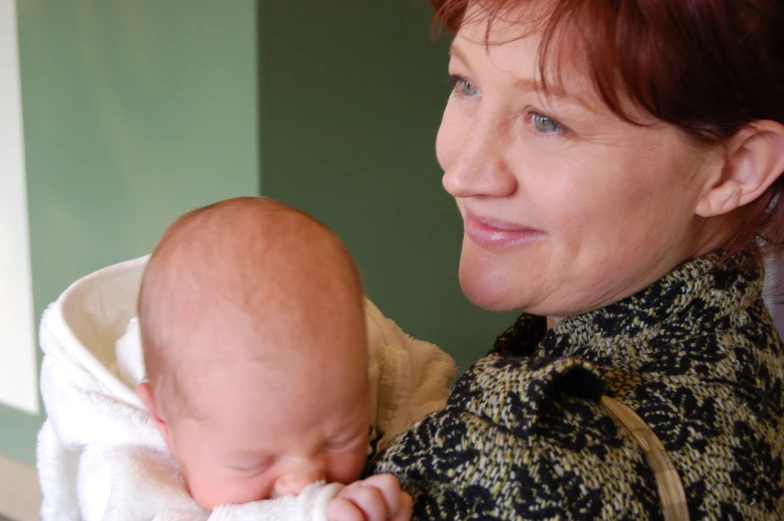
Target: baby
(255,347)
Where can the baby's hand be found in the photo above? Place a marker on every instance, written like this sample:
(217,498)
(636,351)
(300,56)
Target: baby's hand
(377,498)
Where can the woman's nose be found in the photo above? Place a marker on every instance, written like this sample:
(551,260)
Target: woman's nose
(478,166)
(298,476)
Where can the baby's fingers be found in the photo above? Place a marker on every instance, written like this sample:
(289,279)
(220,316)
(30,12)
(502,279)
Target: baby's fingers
(340,509)
(369,502)
(389,487)
(405,509)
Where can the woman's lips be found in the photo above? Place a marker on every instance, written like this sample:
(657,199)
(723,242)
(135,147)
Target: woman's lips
(493,234)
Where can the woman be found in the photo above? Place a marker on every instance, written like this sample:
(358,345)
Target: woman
(616,165)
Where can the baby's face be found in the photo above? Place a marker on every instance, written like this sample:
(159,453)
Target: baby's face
(264,435)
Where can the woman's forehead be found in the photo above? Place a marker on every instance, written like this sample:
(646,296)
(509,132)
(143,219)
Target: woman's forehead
(511,43)
(500,26)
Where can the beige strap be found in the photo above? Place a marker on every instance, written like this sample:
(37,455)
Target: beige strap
(671,494)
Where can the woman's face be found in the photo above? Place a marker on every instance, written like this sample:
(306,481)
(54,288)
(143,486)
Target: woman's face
(566,207)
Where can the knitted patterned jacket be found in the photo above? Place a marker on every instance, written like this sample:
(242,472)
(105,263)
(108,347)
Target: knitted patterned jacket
(524,436)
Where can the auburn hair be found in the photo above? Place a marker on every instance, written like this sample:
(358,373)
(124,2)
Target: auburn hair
(708,67)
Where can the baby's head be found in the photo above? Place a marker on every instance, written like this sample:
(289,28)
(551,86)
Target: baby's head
(252,322)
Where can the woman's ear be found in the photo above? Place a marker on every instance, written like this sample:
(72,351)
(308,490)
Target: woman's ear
(754,160)
(145,392)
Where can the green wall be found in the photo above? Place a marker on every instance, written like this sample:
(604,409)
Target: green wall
(137,111)
(352,95)
(134,112)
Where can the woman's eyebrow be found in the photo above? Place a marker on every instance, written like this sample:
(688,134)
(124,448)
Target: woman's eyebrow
(455,51)
(554,91)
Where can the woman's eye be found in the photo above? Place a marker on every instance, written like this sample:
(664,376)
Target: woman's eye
(544,124)
(466,88)
(463,87)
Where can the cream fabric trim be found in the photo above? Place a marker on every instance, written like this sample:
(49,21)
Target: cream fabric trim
(668,483)
(20,495)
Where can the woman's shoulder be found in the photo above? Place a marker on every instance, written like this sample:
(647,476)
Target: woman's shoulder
(524,436)
(513,392)
(521,438)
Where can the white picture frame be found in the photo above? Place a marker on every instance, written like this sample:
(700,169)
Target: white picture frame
(18,353)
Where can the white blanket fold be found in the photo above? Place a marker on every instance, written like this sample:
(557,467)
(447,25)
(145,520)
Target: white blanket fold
(100,458)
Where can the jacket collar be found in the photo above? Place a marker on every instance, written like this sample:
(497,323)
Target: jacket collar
(697,296)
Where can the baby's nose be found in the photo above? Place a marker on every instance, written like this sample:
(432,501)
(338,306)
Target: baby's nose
(298,477)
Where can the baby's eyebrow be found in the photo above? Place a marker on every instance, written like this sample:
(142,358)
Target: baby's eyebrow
(348,436)
(246,457)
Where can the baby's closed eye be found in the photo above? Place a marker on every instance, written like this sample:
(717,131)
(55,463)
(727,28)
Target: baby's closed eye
(348,442)
(254,466)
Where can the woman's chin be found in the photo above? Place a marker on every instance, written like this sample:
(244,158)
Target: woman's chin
(487,291)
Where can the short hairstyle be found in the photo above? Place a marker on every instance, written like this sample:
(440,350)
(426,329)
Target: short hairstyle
(217,265)
(708,67)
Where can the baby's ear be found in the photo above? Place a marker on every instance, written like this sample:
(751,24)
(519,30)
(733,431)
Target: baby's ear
(145,392)
(754,160)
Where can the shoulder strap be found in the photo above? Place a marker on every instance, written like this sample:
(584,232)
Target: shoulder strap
(668,483)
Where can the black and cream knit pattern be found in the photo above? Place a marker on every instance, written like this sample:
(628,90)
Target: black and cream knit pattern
(523,435)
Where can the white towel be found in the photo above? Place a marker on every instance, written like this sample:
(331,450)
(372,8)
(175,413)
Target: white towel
(99,452)
(126,483)
(409,377)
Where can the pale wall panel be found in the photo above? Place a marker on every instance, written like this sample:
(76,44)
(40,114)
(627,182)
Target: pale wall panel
(18,373)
